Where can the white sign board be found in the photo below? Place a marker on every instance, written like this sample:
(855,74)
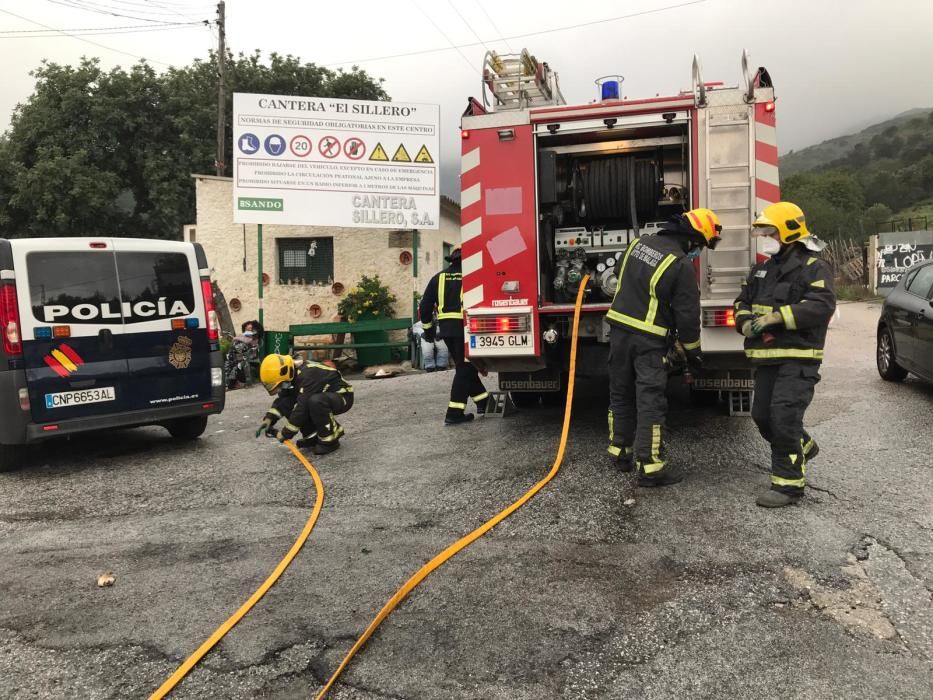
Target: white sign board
(318,161)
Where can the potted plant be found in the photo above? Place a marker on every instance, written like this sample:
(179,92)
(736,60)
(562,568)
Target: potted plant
(369,300)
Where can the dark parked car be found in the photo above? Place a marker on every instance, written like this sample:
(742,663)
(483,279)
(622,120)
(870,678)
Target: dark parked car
(905,330)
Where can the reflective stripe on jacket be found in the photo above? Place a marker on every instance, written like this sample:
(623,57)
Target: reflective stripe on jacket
(657,291)
(798,285)
(445,293)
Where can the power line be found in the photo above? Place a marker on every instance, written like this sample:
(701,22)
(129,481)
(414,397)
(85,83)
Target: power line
(521,36)
(99,29)
(441,32)
(78,34)
(86,41)
(101,10)
(480,4)
(454,8)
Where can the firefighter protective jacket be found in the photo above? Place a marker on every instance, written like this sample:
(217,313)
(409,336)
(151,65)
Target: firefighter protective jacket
(310,379)
(445,291)
(799,285)
(657,291)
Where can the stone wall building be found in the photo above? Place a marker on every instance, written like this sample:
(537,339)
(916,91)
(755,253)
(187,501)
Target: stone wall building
(308,269)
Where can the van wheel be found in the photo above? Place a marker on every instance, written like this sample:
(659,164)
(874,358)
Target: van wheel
(887,364)
(187,428)
(11,457)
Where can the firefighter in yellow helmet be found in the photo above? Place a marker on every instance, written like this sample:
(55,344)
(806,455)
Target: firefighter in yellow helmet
(307,397)
(783,311)
(657,301)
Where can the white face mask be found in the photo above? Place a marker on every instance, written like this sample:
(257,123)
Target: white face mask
(770,246)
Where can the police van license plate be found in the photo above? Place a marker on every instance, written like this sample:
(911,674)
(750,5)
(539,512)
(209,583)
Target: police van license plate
(500,340)
(79,398)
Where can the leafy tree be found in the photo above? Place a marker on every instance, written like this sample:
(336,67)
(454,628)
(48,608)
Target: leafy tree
(96,151)
(878,213)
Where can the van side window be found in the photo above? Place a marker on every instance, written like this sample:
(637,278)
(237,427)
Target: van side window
(921,281)
(71,287)
(155,285)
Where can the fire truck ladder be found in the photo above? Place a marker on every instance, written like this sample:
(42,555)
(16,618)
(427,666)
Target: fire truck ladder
(517,81)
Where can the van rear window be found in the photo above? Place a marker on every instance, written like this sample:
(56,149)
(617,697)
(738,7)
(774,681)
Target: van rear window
(74,287)
(155,285)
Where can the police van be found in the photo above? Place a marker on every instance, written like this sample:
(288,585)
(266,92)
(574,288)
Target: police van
(102,333)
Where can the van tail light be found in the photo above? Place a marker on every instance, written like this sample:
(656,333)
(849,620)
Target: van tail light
(9,321)
(24,400)
(719,317)
(213,324)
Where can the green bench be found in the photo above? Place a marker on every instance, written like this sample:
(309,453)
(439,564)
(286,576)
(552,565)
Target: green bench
(363,333)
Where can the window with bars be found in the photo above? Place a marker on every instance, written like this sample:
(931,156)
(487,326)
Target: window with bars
(306,260)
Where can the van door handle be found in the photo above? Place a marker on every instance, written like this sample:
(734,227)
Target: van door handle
(105,338)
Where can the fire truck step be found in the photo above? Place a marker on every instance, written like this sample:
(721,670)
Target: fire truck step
(499,404)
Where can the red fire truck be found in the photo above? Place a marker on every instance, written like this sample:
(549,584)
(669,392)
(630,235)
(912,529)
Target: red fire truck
(551,192)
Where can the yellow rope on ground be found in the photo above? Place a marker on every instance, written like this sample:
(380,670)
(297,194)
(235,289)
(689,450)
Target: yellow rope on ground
(218,634)
(464,542)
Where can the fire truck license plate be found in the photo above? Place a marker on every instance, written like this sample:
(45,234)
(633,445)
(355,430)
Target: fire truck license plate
(503,340)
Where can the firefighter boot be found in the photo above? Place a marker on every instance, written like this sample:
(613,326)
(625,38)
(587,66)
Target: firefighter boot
(324,448)
(308,441)
(481,406)
(665,477)
(624,461)
(777,499)
(811,450)
(457,417)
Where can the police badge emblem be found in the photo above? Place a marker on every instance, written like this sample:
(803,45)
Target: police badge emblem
(180,353)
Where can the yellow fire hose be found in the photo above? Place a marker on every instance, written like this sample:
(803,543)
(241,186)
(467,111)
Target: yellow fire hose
(218,634)
(466,541)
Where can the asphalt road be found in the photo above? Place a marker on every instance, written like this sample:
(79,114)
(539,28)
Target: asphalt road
(690,591)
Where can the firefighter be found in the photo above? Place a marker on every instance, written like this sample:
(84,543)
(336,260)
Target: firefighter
(445,293)
(783,311)
(307,398)
(657,301)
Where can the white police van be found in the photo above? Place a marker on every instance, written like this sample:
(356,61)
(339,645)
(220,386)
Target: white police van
(102,333)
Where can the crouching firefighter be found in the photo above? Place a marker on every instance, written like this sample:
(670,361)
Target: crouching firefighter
(657,298)
(445,293)
(783,311)
(307,398)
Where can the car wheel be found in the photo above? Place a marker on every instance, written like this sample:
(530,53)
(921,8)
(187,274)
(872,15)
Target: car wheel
(11,457)
(887,364)
(525,399)
(187,428)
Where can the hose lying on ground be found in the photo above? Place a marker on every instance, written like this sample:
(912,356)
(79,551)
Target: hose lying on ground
(218,634)
(464,542)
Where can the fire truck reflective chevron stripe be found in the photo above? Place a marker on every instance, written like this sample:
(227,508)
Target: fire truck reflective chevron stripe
(471,230)
(469,161)
(767,184)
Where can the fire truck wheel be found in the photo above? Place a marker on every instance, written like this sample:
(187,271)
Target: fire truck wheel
(525,399)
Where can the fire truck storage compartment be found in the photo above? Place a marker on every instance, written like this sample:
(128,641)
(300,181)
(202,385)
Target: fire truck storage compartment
(597,191)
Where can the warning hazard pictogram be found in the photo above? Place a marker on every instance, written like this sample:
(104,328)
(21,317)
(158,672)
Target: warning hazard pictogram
(423,156)
(379,153)
(401,155)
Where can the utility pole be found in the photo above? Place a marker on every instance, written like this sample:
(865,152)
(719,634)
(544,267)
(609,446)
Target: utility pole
(221,104)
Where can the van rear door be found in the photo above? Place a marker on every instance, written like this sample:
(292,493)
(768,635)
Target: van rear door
(166,335)
(72,328)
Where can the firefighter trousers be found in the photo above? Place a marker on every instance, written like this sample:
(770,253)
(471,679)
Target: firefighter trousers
(466,384)
(322,408)
(637,404)
(782,394)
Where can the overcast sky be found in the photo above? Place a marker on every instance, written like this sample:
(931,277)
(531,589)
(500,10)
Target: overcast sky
(837,65)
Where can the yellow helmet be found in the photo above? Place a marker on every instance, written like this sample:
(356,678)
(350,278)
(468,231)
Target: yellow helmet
(275,370)
(784,218)
(706,223)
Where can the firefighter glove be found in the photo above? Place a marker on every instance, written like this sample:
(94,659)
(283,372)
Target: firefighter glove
(695,358)
(762,322)
(286,433)
(748,331)
(429,334)
(263,427)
